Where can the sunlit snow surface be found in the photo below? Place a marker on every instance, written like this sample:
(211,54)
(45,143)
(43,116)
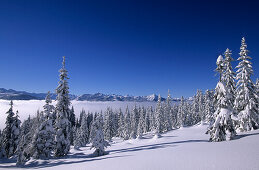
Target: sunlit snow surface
(182,149)
(30,107)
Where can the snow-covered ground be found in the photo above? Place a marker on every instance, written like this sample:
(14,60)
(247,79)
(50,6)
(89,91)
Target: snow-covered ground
(182,149)
(30,107)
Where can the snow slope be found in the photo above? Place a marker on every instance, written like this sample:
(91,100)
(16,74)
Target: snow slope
(30,107)
(182,149)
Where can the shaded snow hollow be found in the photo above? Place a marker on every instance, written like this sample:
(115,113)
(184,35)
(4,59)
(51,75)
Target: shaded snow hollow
(182,149)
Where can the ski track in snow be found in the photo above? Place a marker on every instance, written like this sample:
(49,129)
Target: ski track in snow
(182,149)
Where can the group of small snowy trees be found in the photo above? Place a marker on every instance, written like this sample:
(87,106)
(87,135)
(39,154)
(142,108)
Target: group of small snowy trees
(236,103)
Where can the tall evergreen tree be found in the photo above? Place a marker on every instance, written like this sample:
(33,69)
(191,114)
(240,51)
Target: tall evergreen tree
(182,113)
(159,118)
(121,127)
(43,139)
(108,121)
(141,123)
(10,133)
(82,133)
(152,119)
(134,122)
(167,114)
(127,124)
(63,125)
(246,102)
(147,122)
(229,76)
(222,129)
(209,107)
(72,117)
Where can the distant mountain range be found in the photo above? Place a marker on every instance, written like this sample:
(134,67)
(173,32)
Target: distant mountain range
(11,94)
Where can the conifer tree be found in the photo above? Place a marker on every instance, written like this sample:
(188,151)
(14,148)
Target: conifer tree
(134,122)
(222,129)
(159,118)
(141,123)
(152,119)
(181,116)
(209,107)
(167,114)
(63,126)
(229,76)
(246,102)
(84,131)
(147,122)
(72,117)
(16,129)
(97,140)
(127,124)
(10,133)
(121,128)
(108,134)
(43,140)
(173,115)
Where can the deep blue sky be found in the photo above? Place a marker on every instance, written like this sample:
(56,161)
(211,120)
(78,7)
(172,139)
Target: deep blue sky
(122,47)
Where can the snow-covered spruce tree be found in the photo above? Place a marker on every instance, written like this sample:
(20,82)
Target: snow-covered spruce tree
(197,107)
(147,122)
(26,149)
(90,119)
(173,116)
(152,120)
(108,125)
(84,131)
(10,133)
(141,123)
(24,142)
(246,102)
(201,106)
(223,128)
(115,123)
(209,107)
(189,117)
(127,125)
(72,117)
(98,141)
(121,127)
(228,76)
(48,107)
(74,131)
(81,116)
(62,124)
(78,139)
(134,122)
(17,129)
(181,115)
(159,118)
(43,140)
(167,113)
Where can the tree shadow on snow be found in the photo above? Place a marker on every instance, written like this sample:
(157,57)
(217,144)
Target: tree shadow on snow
(154,146)
(52,162)
(81,157)
(244,135)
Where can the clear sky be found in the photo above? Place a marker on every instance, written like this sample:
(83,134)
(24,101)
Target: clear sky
(124,47)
